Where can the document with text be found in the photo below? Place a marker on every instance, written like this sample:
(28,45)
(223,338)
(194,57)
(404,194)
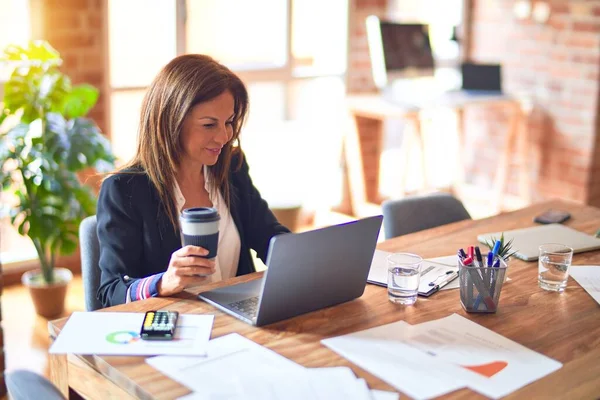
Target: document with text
(462,352)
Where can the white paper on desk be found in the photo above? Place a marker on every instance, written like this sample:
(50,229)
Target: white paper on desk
(488,362)
(378,273)
(117,333)
(432,270)
(588,276)
(311,383)
(406,368)
(228,358)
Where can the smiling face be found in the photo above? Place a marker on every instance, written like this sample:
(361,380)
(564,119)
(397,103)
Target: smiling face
(206,129)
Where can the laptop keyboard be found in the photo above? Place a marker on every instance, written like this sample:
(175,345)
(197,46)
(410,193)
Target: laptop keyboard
(248,307)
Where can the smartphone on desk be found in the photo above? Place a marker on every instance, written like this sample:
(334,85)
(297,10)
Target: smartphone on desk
(552,217)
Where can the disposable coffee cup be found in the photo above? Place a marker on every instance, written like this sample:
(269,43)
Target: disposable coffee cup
(200,227)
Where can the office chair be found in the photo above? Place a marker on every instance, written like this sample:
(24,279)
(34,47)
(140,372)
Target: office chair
(417,213)
(90,256)
(27,385)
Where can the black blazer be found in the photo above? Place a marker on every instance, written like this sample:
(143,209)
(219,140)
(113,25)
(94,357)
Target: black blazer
(137,238)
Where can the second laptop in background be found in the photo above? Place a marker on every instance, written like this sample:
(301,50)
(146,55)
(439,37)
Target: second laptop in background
(526,241)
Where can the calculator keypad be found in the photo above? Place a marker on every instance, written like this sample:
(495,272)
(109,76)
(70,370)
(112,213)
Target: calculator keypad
(158,323)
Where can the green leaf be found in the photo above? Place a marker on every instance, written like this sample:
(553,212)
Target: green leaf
(88,145)
(3,114)
(80,101)
(38,50)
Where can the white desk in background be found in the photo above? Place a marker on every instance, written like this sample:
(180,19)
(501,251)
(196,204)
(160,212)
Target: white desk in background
(369,111)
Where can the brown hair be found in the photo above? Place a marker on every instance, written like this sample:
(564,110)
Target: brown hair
(184,82)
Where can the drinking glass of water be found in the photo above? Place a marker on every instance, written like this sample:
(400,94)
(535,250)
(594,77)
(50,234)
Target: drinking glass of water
(553,266)
(404,273)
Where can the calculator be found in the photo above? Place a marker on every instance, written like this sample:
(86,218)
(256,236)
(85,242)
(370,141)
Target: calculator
(159,325)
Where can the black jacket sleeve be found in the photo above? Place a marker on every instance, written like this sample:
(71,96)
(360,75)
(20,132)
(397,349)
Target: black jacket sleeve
(261,224)
(120,233)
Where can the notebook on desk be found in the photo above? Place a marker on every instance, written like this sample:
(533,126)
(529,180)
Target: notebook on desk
(526,241)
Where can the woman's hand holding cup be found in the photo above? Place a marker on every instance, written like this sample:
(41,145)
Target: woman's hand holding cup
(187,267)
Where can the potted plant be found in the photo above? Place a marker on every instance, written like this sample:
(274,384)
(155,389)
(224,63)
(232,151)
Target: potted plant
(505,250)
(45,141)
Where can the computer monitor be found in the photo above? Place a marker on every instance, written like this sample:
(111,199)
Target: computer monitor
(398,50)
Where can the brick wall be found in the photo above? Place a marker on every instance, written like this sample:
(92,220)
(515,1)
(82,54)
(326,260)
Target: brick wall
(359,78)
(557,64)
(594,181)
(75,29)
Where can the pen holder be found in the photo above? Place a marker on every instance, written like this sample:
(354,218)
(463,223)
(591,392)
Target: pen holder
(480,287)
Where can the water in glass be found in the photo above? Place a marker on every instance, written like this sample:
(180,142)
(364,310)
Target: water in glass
(553,272)
(403,284)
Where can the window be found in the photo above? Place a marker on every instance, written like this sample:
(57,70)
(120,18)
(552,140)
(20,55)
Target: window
(290,53)
(15,28)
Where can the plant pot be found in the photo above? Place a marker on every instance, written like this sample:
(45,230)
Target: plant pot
(48,300)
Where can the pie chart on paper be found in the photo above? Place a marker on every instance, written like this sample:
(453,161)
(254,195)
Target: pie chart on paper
(122,337)
(488,370)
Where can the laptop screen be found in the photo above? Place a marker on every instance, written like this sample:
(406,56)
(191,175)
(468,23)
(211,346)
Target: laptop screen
(481,77)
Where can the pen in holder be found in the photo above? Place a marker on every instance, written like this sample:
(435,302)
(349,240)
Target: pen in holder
(480,285)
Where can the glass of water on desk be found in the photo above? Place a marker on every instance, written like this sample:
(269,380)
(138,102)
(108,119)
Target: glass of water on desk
(404,273)
(553,266)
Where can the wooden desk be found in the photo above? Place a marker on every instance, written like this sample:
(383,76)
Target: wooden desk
(363,143)
(564,326)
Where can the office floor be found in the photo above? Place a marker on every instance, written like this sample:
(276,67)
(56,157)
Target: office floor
(26,339)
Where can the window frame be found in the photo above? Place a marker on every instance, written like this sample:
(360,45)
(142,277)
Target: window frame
(285,75)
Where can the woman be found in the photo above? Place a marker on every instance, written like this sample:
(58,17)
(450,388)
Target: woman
(190,120)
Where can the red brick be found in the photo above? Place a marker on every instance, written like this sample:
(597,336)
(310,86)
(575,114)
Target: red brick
(586,27)
(559,55)
(581,9)
(586,59)
(70,62)
(64,19)
(558,71)
(362,4)
(92,61)
(62,41)
(95,21)
(593,76)
(558,23)
(543,36)
(574,174)
(93,78)
(559,7)
(80,5)
(361,64)
(587,42)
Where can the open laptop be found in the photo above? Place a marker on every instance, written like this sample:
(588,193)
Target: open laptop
(306,272)
(526,242)
(481,79)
